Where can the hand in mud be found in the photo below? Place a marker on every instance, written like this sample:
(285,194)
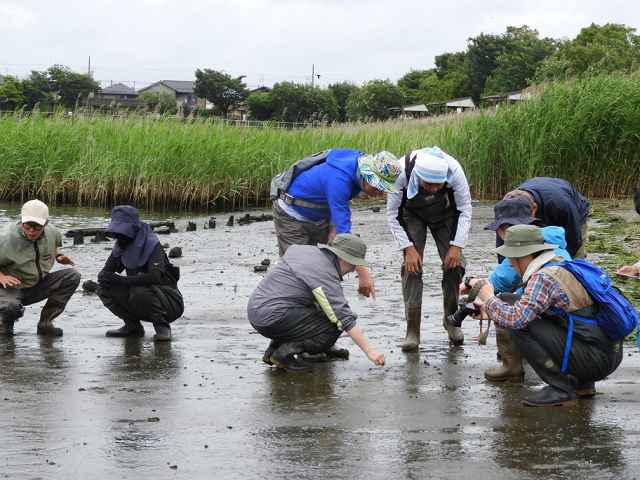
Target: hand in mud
(64,260)
(452,260)
(631,270)
(365,282)
(376,358)
(8,281)
(412,260)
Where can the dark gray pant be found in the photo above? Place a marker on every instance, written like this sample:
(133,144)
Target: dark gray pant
(412,285)
(147,303)
(542,344)
(307,328)
(57,287)
(294,232)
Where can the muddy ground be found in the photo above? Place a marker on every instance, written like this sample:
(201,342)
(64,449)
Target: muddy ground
(205,406)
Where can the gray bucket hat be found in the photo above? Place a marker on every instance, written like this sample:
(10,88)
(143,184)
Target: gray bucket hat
(523,240)
(348,247)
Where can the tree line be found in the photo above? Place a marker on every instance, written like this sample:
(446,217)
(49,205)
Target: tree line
(490,64)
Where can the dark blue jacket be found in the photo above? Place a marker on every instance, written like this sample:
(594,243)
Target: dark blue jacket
(332,183)
(561,205)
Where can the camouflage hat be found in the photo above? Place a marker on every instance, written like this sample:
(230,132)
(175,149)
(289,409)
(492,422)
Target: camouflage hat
(380,170)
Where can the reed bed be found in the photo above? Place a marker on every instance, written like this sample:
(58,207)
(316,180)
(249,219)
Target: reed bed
(587,131)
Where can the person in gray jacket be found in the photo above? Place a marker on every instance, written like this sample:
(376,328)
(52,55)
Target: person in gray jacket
(300,304)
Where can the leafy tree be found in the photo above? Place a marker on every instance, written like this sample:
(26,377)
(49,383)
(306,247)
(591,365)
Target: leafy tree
(36,90)
(260,105)
(10,93)
(69,87)
(523,52)
(161,102)
(411,85)
(300,103)
(483,52)
(374,101)
(597,49)
(454,71)
(221,89)
(342,91)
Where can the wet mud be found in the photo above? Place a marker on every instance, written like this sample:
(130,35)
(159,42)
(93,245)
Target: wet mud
(205,406)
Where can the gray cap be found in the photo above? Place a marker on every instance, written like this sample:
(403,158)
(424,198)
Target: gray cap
(523,240)
(348,247)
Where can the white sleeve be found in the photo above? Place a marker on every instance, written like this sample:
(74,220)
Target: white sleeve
(394,200)
(462,196)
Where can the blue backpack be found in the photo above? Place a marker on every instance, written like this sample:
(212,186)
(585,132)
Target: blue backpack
(616,316)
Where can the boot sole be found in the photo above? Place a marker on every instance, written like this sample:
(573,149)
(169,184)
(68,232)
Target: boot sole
(586,393)
(281,366)
(510,379)
(563,403)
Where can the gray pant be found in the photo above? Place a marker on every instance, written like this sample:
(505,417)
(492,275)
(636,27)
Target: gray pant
(412,285)
(57,287)
(294,232)
(592,356)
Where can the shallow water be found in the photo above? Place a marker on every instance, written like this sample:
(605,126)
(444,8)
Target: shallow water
(205,406)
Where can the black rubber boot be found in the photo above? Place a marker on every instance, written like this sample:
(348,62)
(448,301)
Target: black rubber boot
(549,397)
(586,390)
(163,332)
(47,329)
(266,357)
(284,357)
(7,328)
(45,325)
(129,329)
(341,353)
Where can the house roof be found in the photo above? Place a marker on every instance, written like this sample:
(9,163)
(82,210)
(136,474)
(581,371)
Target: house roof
(118,89)
(461,102)
(415,108)
(178,86)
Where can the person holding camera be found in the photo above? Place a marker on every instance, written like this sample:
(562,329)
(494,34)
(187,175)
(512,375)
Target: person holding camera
(506,279)
(537,321)
(28,252)
(431,195)
(149,290)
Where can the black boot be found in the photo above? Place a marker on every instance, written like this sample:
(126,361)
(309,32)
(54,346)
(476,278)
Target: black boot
(7,328)
(131,328)
(341,353)
(45,325)
(586,389)
(284,357)
(266,357)
(47,329)
(550,397)
(163,332)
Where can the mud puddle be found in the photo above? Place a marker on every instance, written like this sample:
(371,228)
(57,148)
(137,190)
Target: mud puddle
(205,406)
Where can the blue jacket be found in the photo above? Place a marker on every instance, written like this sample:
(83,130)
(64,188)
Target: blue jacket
(332,183)
(504,277)
(561,205)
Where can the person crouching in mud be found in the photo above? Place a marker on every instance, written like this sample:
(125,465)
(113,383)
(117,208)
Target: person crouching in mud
(149,292)
(300,304)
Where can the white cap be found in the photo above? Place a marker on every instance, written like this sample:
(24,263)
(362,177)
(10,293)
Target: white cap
(35,211)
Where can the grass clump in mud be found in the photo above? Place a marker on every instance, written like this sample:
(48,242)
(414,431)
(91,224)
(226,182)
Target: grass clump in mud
(586,131)
(615,241)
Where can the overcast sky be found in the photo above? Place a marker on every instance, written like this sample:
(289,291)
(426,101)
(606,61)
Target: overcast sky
(270,40)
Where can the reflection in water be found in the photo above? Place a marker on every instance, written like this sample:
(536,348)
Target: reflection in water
(144,361)
(25,364)
(549,440)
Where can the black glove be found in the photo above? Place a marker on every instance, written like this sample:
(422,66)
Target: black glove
(110,279)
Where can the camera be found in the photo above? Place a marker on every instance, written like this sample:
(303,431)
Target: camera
(465,308)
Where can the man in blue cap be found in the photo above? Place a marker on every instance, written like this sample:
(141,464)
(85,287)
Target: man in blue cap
(149,291)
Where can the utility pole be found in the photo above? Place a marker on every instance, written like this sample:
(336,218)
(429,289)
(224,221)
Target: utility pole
(313,73)
(89,69)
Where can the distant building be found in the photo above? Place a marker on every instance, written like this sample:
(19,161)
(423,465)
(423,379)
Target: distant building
(410,111)
(118,91)
(182,90)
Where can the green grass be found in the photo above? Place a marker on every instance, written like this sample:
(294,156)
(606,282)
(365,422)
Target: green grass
(587,132)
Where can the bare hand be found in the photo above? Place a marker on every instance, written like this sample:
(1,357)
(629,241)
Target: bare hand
(463,289)
(365,283)
(631,270)
(376,358)
(452,260)
(64,260)
(8,281)
(412,260)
